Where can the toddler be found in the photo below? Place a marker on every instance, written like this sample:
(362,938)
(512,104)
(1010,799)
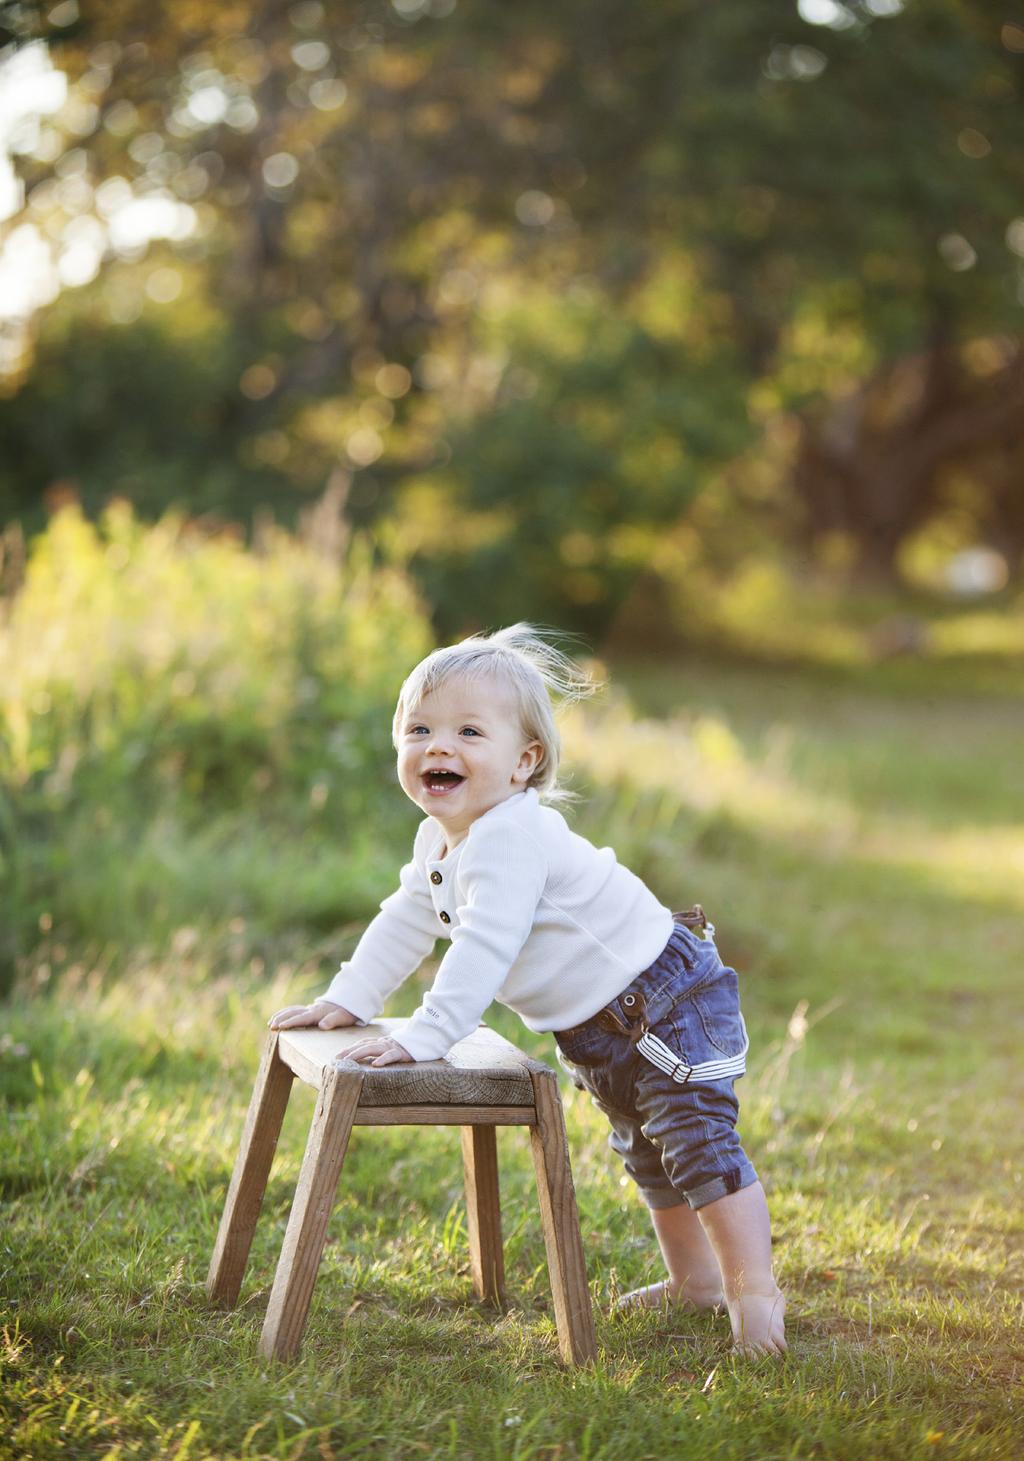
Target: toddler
(645,1015)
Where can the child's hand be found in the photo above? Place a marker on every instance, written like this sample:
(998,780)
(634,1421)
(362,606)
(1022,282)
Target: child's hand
(386,1051)
(325,1014)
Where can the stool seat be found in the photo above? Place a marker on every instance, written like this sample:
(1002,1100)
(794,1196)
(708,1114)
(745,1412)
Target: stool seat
(482,1083)
(482,1070)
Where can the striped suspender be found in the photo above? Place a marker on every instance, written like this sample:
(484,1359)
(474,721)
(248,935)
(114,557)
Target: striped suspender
(659,1054)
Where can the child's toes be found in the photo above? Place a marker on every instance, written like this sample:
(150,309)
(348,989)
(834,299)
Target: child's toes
(758,1325)
(662,1295)
(654,1296)
(769,1346)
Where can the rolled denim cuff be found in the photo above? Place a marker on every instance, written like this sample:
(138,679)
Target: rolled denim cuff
(721,1186)
(658,1198)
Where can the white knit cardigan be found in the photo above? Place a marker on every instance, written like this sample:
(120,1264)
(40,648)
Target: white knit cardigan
(539,919)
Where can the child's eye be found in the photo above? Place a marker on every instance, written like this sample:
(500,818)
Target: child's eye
(415,729)
(468,730)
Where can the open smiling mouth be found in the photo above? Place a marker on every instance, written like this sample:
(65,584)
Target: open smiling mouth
(441,782)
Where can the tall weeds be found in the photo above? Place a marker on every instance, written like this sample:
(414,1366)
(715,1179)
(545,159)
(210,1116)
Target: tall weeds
(167,691)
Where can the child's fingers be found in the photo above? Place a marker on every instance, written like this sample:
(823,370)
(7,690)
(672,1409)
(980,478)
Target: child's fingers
(287,1020)
(377,1052)
(335,1017)
(293,1016)
(327,1016)
(392,1056)
(277,1020)
(363,1051)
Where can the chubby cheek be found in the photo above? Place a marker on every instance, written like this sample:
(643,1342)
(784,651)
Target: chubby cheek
(407,778)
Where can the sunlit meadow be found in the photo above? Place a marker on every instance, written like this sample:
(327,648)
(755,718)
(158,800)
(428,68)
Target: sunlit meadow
(199,814)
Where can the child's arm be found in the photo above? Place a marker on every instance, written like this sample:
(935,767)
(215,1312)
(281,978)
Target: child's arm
(501,876)
(394,944)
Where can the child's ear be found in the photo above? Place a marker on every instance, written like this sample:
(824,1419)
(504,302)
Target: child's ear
(529,761)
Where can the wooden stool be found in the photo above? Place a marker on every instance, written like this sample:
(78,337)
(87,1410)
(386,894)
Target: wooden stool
(482,1083)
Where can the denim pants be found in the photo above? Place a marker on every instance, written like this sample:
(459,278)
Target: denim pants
(660,1061)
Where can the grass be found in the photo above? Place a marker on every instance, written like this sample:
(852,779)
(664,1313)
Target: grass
(857,845)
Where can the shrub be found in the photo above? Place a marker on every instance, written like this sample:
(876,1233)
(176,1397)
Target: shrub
(172,673)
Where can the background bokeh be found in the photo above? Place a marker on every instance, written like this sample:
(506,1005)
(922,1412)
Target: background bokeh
(691,329)
(548,297)
(331,331)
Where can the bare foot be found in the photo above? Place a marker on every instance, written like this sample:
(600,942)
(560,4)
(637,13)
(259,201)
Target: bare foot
(661,1295)
(758,1325)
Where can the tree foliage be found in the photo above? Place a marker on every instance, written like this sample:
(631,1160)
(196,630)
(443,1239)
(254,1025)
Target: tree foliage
(530,275)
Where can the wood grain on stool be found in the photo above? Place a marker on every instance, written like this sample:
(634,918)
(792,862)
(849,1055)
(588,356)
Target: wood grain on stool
(567,1268)
(483,1212)
(249,1179)
(311,1211)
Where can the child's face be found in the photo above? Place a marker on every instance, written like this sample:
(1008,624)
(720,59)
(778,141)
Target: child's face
(469,729)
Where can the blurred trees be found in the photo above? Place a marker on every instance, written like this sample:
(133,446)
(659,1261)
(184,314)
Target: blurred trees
(531,276)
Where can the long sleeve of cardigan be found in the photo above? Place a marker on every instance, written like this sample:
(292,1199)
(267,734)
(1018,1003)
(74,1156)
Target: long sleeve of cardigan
(394,944)
(500,881)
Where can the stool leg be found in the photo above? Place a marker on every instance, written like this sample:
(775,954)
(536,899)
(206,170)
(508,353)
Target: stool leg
(483,1211)
(249,1178)
(307,1226)
(567,1267)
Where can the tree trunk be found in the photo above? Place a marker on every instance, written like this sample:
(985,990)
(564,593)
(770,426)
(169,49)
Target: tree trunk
(874,467)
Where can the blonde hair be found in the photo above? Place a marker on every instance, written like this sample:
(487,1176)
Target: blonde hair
(542,680)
